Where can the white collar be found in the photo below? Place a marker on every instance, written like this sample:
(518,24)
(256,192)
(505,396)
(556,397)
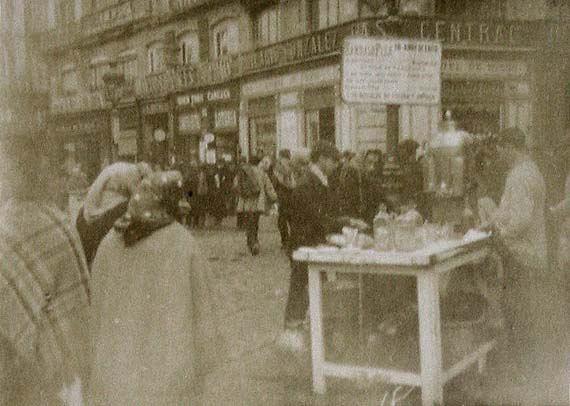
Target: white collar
(319,174)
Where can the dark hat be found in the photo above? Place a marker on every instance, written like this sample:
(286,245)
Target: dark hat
(326,149)
(285,153)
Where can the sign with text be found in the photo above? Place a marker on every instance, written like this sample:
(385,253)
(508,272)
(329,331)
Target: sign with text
(391,71)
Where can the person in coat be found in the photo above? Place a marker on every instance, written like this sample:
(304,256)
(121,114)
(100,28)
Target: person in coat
(155,326)
(313,215)
(359,186)
(284,182)
(44,283)
(529,286)
(106,201)
(253,207)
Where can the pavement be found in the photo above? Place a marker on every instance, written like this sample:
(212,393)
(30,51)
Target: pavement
(253,293)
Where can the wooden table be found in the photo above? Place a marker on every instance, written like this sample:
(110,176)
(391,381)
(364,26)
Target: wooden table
(428,267)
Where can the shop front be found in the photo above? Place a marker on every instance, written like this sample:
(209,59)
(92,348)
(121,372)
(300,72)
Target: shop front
(291,111)
(207,125)
(126,125)
(157,132)
(86,139)
(291,90)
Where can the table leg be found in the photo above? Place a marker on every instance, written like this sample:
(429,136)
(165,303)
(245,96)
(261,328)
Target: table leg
(317,342)
(430,339)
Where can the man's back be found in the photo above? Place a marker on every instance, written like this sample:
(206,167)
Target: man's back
(45,296)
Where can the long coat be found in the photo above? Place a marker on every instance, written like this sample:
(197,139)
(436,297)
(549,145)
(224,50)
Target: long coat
(154,323)
(313,212)
(266,196)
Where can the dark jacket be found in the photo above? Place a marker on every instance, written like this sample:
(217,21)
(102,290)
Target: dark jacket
(92,234)
(313,213)
(359,194)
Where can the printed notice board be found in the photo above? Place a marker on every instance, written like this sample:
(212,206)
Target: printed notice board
(391,71)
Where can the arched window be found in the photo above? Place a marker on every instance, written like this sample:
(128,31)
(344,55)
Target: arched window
(225,37)
(155,57)
(189,48)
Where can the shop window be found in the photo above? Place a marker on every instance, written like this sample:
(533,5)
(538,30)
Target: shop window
(226,38)
(263,135)
(319,125)
(188,48)
(155,57)
(267,26)
(69,81)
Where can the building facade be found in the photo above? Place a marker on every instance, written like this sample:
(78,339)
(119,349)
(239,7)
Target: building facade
(23,71)
(242,78)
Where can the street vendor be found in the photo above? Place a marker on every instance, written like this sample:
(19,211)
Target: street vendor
(519,224)
(313,216)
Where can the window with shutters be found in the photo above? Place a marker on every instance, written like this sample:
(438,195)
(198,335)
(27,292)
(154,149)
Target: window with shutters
(127,65)
(155,55)
(225,38)
(267,26)
(328,13)
(293,19)
(188,48)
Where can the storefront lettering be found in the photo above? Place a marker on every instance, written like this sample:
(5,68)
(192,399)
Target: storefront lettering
(466,32)
(225,119)
(221,94)
(319,44)
(155,108)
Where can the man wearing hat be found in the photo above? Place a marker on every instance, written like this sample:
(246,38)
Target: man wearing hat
(313,216)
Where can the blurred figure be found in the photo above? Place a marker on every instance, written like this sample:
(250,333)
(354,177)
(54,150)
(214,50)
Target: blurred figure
(530,287)
(313,216)
(256,195)
(155,323)
(216,198)
(284,183)
(45,281)
(106,201)
(198,186)
(412,175)
(359,186)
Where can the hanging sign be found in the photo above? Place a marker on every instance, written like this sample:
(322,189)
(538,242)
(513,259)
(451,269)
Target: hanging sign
(391,71)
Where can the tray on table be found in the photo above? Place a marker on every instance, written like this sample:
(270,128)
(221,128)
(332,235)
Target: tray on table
(423,257)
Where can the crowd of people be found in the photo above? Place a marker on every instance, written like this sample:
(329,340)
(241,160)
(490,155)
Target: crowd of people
(117,307)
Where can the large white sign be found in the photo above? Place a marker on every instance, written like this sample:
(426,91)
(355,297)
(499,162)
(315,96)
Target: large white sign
(391,71)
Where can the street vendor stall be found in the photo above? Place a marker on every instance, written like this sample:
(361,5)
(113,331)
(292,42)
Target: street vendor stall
(428,265)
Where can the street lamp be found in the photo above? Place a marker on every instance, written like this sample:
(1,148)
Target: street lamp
(113,92)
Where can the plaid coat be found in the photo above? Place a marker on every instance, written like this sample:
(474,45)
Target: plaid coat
(44,298)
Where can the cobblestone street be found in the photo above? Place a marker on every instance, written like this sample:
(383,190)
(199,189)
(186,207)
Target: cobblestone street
(253,292)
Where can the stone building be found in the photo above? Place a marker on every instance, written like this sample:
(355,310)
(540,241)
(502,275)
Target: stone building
(155,80)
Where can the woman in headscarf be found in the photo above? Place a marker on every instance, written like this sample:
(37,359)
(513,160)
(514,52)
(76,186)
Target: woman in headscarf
(106,201)
(154,323)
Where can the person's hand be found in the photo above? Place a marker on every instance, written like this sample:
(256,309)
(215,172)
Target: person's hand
(360,225)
